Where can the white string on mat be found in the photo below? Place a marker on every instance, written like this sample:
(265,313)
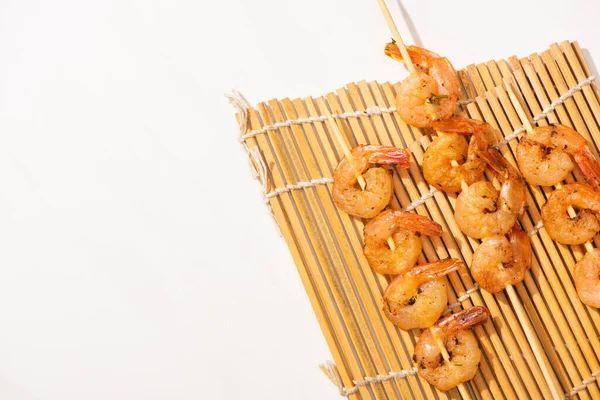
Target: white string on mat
(569,93)
(330,369)
(299,185)
(536,229)
(422,200)
(583,385)
(257,164)
(462,298)
(369,112)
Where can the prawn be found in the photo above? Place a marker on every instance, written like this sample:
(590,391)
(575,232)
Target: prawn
(417,298)
(512,252)
(449,146)
(483,211)
(404,228)
(453,332)
(587,278)
(560,226)
(428,95)
(378,192)
(545,156)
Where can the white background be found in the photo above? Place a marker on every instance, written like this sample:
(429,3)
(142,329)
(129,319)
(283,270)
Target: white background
(136,257)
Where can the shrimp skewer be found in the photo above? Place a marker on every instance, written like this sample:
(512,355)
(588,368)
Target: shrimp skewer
(451,104)
(417,298)
(404,229)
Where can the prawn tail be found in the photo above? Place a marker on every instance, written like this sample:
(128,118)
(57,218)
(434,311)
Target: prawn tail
(589,166)
(521,247)
(463,320)
(417,223)
(389,155)
(499,165)
(435,270)
(420,57)
(460,125)
(393,51)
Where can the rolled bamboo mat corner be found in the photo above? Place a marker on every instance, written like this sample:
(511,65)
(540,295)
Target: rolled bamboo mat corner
(295,155)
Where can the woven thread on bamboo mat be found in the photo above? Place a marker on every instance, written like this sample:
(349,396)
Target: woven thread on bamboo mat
(346,296)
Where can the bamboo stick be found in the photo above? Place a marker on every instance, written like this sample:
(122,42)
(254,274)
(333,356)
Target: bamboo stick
(332,327)
(335,281)
(396,35)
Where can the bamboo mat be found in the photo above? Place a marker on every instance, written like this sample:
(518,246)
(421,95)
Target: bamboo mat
(294,156)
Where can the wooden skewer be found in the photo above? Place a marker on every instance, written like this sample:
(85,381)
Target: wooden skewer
(519,310)
(348,154)
(411,68)
(345,148)
(396,36)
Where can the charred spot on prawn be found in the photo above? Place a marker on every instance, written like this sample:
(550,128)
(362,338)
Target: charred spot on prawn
(412,300)
(440,360)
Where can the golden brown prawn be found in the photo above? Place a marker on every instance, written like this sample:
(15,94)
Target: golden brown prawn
(453,332)
(404,228)
(501,260)
(417,298)
(367,203)
(428,95)
(483,211)
(545,156)
(450,146)
(587,278)
(560,226)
